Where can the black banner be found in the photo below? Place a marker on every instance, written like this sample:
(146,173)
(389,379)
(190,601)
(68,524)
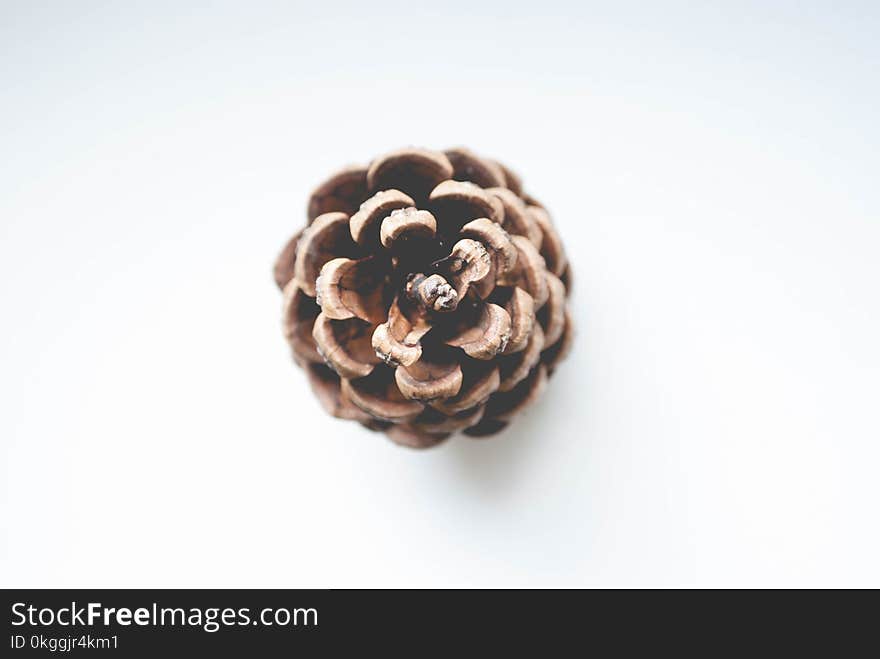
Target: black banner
(147,622)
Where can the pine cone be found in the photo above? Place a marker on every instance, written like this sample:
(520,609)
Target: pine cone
(426,295)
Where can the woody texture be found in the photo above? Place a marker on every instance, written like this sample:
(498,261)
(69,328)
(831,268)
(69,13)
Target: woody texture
(426,295)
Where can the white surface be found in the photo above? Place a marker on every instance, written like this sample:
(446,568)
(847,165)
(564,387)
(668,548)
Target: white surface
(714,173)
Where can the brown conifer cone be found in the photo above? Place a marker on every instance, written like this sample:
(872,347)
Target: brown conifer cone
(426,295)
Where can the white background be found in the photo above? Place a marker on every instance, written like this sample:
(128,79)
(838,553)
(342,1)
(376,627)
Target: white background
(713,169)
